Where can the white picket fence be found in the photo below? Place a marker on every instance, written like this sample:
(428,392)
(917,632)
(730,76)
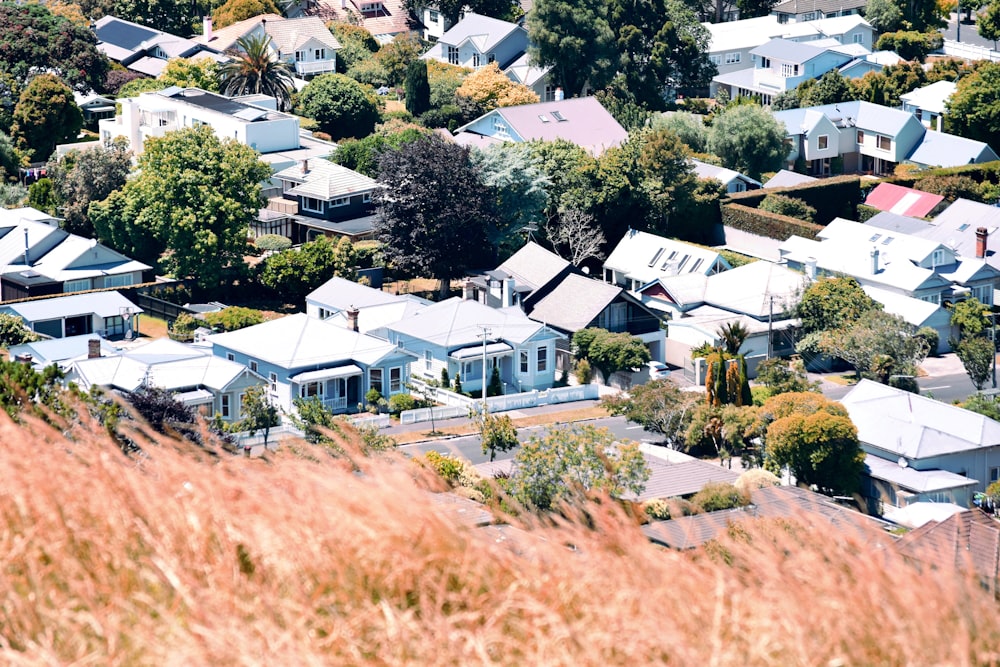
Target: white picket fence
(528,399)
(969,51)
(376,421)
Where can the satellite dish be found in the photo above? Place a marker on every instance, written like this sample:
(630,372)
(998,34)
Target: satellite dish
(902,462)
(586,270)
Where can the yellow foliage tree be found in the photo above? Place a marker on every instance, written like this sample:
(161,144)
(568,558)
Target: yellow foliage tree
(490,88)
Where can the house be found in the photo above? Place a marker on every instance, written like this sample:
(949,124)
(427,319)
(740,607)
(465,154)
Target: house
(536,77)
(918,313)
(902,201)
(145,50)
(351,305)
(60,351)
(641,258)
(582,121)
(919,449)
(787,179)
(384,19)
(967,541)
(929,103)
(797,11)
(477,40)
(304,43)
(732,41)
(306,357)
(209,384)
(733,181)
(94,107)
(107,314)
(320,198)
(464,336)
(37,258)
(870,138)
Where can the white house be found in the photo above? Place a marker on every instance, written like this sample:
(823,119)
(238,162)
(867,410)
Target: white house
(107,314)
(478,40)
(929,103)
(641,258)
(733,181)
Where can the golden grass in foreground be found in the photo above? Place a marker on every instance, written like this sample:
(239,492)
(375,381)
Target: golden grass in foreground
(176,560)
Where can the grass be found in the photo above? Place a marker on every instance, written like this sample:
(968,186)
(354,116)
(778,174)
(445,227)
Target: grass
(152,327)
(565,416)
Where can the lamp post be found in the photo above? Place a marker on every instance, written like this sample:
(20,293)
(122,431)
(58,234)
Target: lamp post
(486,332)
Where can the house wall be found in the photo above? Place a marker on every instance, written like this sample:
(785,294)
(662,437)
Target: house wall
(434,23)
(824,128)
(902,143)
(508,50)
(355,208)
(978,464)
(307,63)
(731,60)
(235,391)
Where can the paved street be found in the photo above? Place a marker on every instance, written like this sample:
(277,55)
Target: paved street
(969,33)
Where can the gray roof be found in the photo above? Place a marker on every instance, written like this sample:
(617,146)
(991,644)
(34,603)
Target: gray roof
(917,481)
(669,479)
(863,115)
(721,174)
(45,352)
(102,304)
(458,322)
(824,6)
(483,31)
(575,303)
(325,180)
(749,289)
(534,266)
(937,149)
(903,224)
(915,427)
(785,179)
(788,51)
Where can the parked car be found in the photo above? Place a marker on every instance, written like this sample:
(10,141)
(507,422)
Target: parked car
(657,370)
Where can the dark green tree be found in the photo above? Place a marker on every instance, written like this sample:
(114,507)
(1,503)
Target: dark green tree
(833,303)
(753,8)
(81,177)
(418,90)
(46,114)
(748,139)
(295,272)
(610,352)
(910,44)
(831,88)
(790,206)
(561,32)
(255,69)
(884,15)
(342,106)
(233,11)
(974,108)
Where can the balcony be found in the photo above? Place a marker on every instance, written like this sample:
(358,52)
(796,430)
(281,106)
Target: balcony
(303,67)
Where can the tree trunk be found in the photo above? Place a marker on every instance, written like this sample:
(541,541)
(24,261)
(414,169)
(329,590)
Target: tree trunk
(444,288)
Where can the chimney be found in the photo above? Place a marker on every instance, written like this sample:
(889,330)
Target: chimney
(94,348)
(343,4)
(559,96)
(26,257)
(468,291)
(206,28)
(811,268)
(352,318)
(874,255)
(981,236)
(305,166)
(508,292)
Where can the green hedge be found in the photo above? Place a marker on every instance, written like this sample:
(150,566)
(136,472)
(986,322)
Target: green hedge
(866,212)
(836,197)
(763,223)
(985,172)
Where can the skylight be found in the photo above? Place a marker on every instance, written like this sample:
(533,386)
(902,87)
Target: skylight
(656,257)
(963,227)
(558,116)
(887,240)
(542,117)
(875,237)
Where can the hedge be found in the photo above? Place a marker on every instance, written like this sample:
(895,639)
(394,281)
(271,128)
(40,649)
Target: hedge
(763,223)
(985,172)
(866,212)
(836,197)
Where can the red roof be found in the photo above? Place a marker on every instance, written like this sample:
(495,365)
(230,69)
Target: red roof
(902,201)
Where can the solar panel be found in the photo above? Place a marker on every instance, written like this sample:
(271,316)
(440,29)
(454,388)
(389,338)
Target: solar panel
(125,35)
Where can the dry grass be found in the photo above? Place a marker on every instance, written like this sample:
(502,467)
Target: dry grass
(152,327)
(562,417)
(297,560)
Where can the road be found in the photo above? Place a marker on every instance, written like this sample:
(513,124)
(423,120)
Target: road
(945,388)
(969,33)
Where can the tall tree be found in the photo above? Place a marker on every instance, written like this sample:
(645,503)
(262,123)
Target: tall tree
(293,273)
(748,139)
(576,40)
(974,108)
(189,208)
(46,114)
(977,357)
(433,218)
(397,55)
(418,90)
(342,106)
(81,177)
(233,11)
(255,69)
(884,15)
(831,88)
(988,22)
(489,88)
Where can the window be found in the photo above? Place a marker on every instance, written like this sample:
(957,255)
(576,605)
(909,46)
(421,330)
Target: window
(366,198)
(114,325)
(340,201)
(884,143)
(937,259)
(994,475)
(550,93)
(475,60)
(734,57)
(433,16)
(375,380)
(76,285)
(823,141)
(542,117)
(809,16)
(123,280)
(716,60)
(300,56)
(542,362)
(558,116)
(453,55)
(273,379)
(492,58)
(859,39)
(984,293)
(932,298)
(467,369)
(310,204)
(499,127)
(395,380)
(253,366)
(428,360)
(230,356)
(311,389)
(524,362)
(788,69)
(861,136)
(319,54)
(225,405)
(875,237)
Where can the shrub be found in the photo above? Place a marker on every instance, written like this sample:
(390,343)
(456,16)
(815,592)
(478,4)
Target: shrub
(233,318)
(834,197)
(273,242)
(717,496)
(373,396)
(931,337)
(664,509)
(458,383)
(866,213)
(584,373)
(756,478)
(764,223)
(445,379)
(448,467)
(790,206)
(185,324)
(400,402)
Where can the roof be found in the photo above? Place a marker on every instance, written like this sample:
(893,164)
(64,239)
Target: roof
(291,34)
(457,322)
(902,201)
(646,257)
(721,174)
(383,19)
(341,294)
(938,149)
(776,502)
(748,33)
(301,342)
(524,71)
(376,317)
(932,97)
(968,540)
(913,311)
(325,180)
(203,99)
(898,223)
(749,289)
(672,479)
(120,40)
(101,304)
(575,302)
(785,179)
(965,211)
(788,51)
(483,31)
(917,514)
(685,289)
(916,481)
(823,6)
(534,266)
(580,120)
(916,427)
(54,350)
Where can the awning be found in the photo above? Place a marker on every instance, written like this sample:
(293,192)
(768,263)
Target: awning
(477,350)
(327,374)
(196,397)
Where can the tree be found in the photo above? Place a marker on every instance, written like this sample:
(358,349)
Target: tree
(578,233)
(988,22)
(832,303)
(362,155)
(571,172)
(831,88)
(340,105)
(489,88)
(753,8)
(610,352)
(189,208)
(82,177)
(732,335)
(910,44)
(259,413)
(296,272)
(497,434)
(397,55)
(234,11)
(727,430)
(953,187)
(568,462)
(511,173)
(198,72)
(14,332)
(444,79)
(988,406)
(814,438)
(689,128)
(561,32)
(884,15)
(46,114)
(255,70)
(233,318)
(974,108)
(780,376)
(9,160)
(748,139)
(878,345)
(12,195)
(790,206)
(659,406)
(970,316)
(32,39)
(136,87)
(433,219)
(418,90)
(336,434)
(356,44)
(977,356)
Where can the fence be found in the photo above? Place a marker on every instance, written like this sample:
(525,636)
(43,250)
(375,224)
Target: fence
(429,414)
(440,394)
(969,51)
(371,421)
(528,399)
(245,440)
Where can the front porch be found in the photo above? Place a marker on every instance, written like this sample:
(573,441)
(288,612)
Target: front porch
(338,389)
(468,362)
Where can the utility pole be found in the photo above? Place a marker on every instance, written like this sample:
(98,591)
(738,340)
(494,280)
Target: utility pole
(770,318)
(994,318)
(486,333)
(958,38)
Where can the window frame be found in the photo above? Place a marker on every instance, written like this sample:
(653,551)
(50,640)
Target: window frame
(542,359)
(823,142)
(523,359)
(224,407)
(395,379)
(452,55)
(306,205)
(884,139)
(380,383)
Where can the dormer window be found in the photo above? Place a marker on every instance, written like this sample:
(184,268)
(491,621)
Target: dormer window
(938,258)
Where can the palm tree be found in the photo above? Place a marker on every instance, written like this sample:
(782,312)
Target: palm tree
(732,336)
(255,69)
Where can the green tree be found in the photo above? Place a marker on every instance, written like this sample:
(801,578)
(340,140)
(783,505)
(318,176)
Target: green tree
(987,406)
(610,352)
(725,430)
(342,106)
(878,345)
(565,463)
(781,376)
(198,72)
(560,32)
(45,115)
(12,195)
(748,139)
(296,272)
(337,435)
(659,407)
(82,177)
(832,303)
(753,8)
(497,434)
(884,15)
(910,44)
(831,88)
(14,332)
(433,218)
(189,208)
(717,496)
(362,155)
(234,11)
(9,159)
(444,79)
(971,317)
(418,90)
(689,128)
(396,56)
(136,87)
(512,174)
(732,335)
(256,69)
(790,206)
(572,175)
(974,108)
(233,318)
(977,356)
(259,413)
(356,44)
(988,22)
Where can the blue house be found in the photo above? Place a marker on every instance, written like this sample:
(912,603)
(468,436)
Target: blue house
(477,41)
(306,357)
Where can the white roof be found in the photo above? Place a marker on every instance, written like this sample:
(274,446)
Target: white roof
(721,174)
(523,71)
(932,97)
(749,289)
(301,341)
(748,33)
(483,31)
(645,257)
(102,304)
(916,427)
(913,311)
(917,514)
(325,180)
(458,322)
(341,294)
(373,318)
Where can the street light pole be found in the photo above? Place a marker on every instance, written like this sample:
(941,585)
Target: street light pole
(994,318)
(485,334)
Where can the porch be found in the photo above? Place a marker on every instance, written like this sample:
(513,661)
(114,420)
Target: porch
(338,389)
(468,362)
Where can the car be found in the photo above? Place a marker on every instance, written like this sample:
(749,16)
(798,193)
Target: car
(657,370)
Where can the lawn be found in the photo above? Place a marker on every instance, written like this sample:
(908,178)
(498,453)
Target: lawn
(152,327)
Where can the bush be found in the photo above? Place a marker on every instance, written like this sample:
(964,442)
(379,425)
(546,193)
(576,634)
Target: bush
(931,337)
(910,44)
(185,324)
(273,242)
(445,378)
(233,318)
(449,116)
(584,373)
(664,509)
(756,478)
(790,206)
(717,496)
(764,223)
(448,467)
(373,396)
(866,213)
(400,402)
(834,197)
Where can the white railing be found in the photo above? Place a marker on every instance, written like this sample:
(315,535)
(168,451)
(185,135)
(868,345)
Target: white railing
(425,414)
(314,66)
(335,404)
(373,421)
(279,432)
(528,399)
(440,394)
(969,51)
